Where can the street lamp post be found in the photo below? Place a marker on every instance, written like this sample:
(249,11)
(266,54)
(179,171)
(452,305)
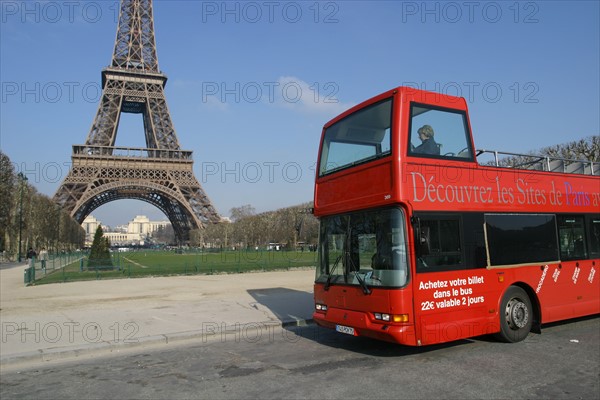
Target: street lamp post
(57,243)
(22,178)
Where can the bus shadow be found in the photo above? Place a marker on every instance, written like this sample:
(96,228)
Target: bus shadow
(565,323)
(365,345)
(291,307)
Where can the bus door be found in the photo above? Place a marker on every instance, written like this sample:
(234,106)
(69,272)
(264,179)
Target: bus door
(451,289)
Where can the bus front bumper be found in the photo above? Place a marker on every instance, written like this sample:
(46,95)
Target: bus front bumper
(358,323)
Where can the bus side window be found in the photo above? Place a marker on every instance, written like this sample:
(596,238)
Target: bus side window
(439,242)
(571,237)
(593,235)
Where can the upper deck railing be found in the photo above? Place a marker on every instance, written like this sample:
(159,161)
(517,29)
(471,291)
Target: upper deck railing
(540,163)
(132,152)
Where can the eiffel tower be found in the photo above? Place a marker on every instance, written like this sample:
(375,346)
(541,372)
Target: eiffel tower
(161,173)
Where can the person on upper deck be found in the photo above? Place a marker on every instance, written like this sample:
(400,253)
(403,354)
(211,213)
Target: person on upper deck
(428,145)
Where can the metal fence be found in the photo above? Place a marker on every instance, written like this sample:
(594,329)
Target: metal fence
(77,266)
(40,268)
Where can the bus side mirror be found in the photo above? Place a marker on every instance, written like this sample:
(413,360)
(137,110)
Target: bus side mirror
(424,241)
(422,237)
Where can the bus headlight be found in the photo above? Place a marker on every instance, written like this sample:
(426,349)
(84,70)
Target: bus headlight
(382,317)
(391,317)
(320,307)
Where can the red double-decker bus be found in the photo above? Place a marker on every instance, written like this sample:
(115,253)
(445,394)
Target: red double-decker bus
(422,242)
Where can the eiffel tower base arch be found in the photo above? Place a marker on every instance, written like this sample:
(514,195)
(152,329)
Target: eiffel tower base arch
(100,175)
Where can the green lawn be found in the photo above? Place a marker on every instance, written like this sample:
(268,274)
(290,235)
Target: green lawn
(165,263)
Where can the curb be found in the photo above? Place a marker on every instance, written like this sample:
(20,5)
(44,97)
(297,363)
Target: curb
(89,349)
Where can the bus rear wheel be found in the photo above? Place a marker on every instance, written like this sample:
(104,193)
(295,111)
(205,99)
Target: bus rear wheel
(516,315)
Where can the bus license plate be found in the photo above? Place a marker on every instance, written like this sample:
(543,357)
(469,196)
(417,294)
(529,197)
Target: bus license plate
(345,329)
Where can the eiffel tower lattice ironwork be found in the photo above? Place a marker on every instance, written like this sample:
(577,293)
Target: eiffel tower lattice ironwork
(161,173)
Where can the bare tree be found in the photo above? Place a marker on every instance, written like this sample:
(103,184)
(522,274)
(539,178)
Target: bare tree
(244,211)
(31,216)
(286,226)
(7,188)
(584,149)
(587,148)
(164,234)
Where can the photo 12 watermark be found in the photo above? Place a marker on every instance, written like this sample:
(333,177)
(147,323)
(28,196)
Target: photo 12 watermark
(281,91)
(53,12)
(454,12)
(69,332)
(255,172)
(49,92)
(526,92)
(254,12)
(48,172)
(258,332)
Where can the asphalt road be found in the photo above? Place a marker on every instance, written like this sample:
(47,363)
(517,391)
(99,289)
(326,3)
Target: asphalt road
(311,362)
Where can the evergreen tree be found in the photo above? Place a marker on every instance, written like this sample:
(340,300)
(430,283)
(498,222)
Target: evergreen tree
(99,253)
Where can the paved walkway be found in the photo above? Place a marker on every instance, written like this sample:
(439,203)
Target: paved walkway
(48,322)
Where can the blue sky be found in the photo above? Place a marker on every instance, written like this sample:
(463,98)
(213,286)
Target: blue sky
(252,83)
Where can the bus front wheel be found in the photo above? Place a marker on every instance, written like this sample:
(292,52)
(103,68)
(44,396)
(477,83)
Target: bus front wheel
(516,315)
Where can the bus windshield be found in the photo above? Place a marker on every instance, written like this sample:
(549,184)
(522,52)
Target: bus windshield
(364,248)
(360,137)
